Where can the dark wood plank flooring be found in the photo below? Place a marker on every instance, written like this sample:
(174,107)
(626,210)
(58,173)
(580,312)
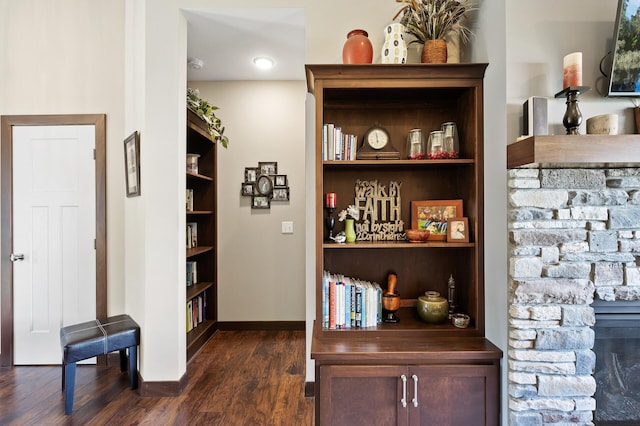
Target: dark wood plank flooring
(238,378)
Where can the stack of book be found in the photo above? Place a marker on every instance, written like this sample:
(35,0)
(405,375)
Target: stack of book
(350,302)
(192,235)
(337,145)
(196,311)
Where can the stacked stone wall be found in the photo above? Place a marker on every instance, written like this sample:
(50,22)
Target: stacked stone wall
(574,235)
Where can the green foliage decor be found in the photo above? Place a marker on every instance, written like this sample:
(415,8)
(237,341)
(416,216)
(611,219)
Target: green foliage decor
(205,111)
(434,19)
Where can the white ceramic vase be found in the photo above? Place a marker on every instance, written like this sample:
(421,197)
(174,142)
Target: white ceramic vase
(394,49)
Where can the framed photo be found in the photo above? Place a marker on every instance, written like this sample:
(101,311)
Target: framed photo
(260,202)
(280,194)
(267,167)
(132,164)
(458,230)
(434,215)
(280,181)
(247,189)
(250,174)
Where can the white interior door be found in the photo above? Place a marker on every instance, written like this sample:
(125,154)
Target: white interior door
(54,223)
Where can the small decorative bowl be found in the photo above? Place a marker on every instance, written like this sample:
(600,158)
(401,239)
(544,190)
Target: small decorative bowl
(460,320)
(417,235)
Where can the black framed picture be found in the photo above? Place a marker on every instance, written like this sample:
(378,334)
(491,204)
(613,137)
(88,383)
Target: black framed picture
(267,167)
(250,174)
(260,202)
(280,181)
(247,189)
(280,194)
(132,164)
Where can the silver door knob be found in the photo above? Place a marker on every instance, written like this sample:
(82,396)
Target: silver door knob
(16,256)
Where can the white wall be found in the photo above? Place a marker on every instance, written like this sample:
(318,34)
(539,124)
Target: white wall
(260,270)
(67,58)
(537,43)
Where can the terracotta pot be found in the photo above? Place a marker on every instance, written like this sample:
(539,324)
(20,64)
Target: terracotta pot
(434,52)
(357,49)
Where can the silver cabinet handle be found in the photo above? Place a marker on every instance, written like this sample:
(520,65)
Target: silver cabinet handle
(404,391)
(16,256)
(415,390)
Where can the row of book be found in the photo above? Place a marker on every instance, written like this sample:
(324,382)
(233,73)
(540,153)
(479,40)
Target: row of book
(196,309)
(192,235)
(192,273)
(350,302)
(337,145)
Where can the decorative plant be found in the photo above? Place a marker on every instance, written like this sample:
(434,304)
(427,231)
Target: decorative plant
(206,111)
(434,19)
(351,211)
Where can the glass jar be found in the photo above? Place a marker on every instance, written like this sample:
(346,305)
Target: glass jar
(415,145)
(435,150)
(450,141)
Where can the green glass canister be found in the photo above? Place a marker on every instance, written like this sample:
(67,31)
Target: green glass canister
(432,308)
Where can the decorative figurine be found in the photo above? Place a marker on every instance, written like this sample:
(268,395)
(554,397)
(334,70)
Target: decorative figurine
(452,294)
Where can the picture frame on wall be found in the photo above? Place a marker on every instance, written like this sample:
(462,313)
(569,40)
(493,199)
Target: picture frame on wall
(280,194)
(280,181)
(267,167)
(247,189)
(132,164)
(433,215)
(458,230)
(250,174)
(260,202)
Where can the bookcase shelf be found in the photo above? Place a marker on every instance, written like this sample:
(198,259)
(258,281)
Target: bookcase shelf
(355,366)
(203,293)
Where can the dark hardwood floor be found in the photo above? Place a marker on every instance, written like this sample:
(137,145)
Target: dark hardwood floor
(238,378)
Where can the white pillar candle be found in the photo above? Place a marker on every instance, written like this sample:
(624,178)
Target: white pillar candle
(572,70)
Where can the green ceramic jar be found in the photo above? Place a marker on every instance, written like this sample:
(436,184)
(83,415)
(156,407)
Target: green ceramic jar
(432,308)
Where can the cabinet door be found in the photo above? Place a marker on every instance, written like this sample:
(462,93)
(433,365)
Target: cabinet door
(362,395)
(459,395)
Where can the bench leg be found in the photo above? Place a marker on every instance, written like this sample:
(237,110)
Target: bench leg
(69,384)
(133,366)
(123,360)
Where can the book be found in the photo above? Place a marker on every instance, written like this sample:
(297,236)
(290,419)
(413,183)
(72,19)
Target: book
(192,235)
(189,198)
(192,273)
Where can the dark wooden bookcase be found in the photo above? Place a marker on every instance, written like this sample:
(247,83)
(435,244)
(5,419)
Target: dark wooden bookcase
(364,372)
(203,184)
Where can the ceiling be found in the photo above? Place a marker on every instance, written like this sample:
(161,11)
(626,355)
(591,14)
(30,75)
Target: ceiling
(227,40)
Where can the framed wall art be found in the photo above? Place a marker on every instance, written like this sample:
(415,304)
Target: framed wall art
(434,215)
(132,164)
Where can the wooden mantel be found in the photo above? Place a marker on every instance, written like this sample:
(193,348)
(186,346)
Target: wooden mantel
(586,151)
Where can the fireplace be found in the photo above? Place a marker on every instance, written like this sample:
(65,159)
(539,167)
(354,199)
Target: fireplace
(617,371)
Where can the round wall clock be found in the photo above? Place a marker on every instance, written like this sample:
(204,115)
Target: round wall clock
(264,185)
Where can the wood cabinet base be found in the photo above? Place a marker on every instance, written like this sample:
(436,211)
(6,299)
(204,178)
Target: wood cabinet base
(422,382)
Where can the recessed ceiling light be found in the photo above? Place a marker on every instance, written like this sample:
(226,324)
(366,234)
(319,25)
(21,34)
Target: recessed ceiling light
(195,63)
(263,62)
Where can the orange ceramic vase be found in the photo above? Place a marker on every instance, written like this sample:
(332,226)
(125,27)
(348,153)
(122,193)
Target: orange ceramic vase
(357,49)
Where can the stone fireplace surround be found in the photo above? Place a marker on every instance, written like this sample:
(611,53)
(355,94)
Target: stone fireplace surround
(574,236)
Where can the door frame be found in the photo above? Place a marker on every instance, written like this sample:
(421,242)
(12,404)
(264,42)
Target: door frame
(6,211)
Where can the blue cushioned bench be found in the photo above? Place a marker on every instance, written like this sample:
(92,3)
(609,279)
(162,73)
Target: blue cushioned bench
(99,337)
